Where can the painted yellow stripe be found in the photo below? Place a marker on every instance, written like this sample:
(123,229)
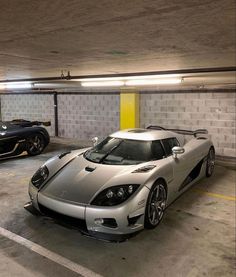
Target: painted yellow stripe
(129,110)
(216,195)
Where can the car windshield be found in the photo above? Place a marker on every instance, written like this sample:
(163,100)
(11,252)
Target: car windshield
(116,151)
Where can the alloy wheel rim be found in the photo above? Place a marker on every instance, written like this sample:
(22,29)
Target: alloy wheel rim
(35,144)
(157,204)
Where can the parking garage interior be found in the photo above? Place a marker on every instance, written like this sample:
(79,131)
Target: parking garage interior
(91,69)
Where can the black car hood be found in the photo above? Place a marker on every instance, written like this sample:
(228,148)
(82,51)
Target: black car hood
(8,126)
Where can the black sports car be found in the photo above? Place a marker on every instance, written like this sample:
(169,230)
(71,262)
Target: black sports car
(20,135)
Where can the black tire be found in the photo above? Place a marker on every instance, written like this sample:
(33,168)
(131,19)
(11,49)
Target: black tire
(35,144)
(210,164)
(155,206)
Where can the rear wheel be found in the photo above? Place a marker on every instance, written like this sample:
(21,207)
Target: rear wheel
(155,206)
(35,144)
(210,162)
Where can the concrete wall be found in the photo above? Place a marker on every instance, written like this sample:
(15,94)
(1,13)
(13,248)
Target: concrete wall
(30,107)
(86,116)
(213,111)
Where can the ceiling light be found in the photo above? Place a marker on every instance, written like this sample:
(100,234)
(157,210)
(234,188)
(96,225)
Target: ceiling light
(148,82)
(103,84)
(18,85)
(131,81)
(125,78)
(2,86)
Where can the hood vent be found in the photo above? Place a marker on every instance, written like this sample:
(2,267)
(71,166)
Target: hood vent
(63,154)
(137,131)
(144,169)
(90,169)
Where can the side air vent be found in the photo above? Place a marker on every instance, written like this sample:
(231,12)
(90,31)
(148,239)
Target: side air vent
(144,169)
(201,138)
(133,220)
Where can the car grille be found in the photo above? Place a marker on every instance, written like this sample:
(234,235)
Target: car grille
(65,220)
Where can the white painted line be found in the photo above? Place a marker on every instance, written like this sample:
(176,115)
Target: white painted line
(49,254)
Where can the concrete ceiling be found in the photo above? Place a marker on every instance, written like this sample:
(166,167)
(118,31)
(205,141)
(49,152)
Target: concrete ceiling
(41,38)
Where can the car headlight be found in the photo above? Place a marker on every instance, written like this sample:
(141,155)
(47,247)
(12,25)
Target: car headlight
(114,195)
(40,176)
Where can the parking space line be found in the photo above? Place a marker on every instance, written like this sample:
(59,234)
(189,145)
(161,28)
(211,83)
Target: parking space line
(48,254)
(216,195)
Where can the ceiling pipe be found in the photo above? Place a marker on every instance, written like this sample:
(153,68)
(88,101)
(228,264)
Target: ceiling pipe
(209,80)
(163,72)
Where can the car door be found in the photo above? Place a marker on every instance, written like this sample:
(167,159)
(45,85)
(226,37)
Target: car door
(181,165)
(7,145)
(8,140)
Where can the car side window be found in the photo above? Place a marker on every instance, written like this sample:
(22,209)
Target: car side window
(157,150)
(169,144)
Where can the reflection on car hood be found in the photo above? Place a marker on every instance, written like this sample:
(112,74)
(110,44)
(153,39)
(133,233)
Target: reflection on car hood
(80,180)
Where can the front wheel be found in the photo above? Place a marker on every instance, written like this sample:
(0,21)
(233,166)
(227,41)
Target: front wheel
(155,206)
(35,144)
(210,162)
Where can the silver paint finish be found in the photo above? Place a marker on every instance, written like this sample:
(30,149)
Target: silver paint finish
(146,135)
(120,213)
(74,183)
(70,188)
(33,193)
(62,207)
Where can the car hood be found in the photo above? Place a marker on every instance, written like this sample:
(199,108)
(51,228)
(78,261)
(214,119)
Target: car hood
(80,180)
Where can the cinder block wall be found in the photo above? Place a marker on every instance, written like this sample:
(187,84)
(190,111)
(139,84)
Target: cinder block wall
(86,116)
(213,111)
(30,107)
(83,116)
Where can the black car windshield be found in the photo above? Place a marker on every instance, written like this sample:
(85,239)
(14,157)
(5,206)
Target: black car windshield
(116,151)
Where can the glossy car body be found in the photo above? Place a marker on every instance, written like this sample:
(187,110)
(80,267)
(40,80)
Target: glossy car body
(75,181)
(17,136)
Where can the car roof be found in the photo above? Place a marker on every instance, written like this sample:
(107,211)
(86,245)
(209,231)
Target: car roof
(143,134)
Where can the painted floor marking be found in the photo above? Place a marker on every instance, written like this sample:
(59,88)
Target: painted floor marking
(49,254)
(216,195)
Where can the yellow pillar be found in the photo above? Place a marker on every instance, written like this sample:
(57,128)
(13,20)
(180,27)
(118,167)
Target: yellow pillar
(129,109)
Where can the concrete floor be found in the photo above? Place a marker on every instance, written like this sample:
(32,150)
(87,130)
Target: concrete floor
(195,238)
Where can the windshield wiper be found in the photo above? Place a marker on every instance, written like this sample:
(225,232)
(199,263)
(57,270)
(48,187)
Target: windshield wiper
(109,152)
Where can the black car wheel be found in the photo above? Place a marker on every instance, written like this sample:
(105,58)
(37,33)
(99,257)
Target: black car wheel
(35,144)
(155,206)
(210,162)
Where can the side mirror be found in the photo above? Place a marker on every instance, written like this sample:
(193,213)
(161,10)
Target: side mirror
(95,141)
(177,150)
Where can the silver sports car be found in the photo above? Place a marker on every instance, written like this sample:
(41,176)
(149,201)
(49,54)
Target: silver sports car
(124,183)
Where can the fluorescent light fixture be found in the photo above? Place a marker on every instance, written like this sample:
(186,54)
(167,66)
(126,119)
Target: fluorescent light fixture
(2,86)
(126,78)
(149,82)
(131,81)
(103,84)
(18,85)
